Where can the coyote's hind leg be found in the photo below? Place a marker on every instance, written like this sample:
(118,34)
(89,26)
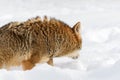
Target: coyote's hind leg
(30,63)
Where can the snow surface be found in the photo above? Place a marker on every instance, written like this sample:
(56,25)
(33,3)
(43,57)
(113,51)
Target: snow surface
(100,55)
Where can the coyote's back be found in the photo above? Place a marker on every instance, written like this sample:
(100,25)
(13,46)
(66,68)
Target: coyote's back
(36,41)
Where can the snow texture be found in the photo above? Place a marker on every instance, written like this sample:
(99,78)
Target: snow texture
(100,28)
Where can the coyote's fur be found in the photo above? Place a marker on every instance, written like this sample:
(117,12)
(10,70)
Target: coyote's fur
(37,41)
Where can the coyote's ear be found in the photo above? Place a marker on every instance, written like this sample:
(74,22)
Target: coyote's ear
(76,27)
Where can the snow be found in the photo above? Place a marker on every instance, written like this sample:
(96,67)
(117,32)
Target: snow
(100,55)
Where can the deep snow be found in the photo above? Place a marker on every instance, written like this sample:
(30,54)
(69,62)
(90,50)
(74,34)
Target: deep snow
(100,55)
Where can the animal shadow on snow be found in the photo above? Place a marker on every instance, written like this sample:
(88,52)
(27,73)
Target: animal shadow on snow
(70,64)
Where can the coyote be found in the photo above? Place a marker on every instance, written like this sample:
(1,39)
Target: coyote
(37,41)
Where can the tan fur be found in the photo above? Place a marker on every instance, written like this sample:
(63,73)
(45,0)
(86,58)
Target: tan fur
(37,41)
